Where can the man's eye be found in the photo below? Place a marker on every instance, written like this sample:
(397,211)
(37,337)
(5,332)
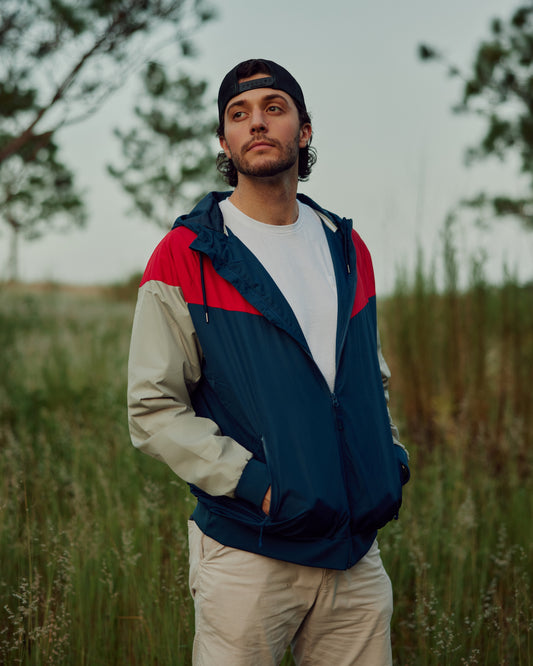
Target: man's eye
(237,115)
(274,108)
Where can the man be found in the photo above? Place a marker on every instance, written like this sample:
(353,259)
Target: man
(255,375)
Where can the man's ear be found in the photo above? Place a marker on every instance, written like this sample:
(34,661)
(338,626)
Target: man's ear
(224,146)
(306,132)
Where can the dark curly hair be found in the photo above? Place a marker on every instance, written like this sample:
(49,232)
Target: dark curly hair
(307,156)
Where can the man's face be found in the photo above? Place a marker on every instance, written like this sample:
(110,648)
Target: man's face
(262,133)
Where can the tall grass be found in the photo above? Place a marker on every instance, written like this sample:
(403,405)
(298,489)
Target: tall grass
(93,534)
(461,557)
(463,363)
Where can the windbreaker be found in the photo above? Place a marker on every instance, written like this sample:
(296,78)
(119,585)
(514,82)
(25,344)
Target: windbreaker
(223,388)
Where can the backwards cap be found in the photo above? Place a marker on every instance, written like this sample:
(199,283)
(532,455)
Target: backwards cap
(279,79)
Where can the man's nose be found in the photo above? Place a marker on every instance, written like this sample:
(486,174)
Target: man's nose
(258,123)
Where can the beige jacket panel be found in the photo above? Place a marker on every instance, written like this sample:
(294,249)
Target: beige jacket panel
(164,365)
(385,378)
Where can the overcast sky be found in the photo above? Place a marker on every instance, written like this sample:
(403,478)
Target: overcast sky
(390,150)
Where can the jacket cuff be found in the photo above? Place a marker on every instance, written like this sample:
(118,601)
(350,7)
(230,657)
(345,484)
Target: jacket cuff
(254,482)
(403,459)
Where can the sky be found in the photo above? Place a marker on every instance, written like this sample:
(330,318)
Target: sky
(390,151)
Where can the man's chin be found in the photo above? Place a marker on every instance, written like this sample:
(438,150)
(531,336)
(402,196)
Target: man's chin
(264,170)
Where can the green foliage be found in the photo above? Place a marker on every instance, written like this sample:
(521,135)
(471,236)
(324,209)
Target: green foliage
(460,559)
(59,61)
(499,89)
(93,538)
(169,161)
(37,194)
(38,191)
(92,534)
(462,362)
(52,56)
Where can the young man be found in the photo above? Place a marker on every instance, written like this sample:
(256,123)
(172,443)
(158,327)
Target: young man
(255,373)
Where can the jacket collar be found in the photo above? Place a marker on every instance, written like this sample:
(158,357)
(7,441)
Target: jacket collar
(206,213)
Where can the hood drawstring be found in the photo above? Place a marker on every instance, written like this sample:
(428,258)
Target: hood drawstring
(261,528)
(204,296)
(347,240)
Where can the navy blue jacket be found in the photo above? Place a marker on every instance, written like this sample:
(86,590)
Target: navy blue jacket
(336,473)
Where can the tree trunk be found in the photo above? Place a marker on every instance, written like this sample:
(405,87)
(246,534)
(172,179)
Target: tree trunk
(13,258)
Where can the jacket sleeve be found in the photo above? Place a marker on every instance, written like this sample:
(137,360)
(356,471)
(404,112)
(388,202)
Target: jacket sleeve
(164,366)
(385,378)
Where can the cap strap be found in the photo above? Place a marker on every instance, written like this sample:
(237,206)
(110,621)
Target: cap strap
(267,82)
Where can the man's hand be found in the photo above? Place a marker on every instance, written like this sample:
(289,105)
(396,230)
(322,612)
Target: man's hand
(266,501)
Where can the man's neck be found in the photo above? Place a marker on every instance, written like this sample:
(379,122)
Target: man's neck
(268,200)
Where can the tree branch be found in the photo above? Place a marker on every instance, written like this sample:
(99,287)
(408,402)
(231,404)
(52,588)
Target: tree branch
(26,135)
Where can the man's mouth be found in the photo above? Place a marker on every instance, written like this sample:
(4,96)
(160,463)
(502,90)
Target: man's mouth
(257,145)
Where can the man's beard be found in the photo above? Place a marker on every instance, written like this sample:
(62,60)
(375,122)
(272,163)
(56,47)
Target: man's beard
(287,159)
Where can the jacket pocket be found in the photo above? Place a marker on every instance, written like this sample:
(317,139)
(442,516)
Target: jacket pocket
(307,500)
(292,514)
(298,517)
(374,491)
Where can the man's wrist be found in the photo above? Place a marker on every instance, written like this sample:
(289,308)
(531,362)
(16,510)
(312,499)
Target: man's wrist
(254,482)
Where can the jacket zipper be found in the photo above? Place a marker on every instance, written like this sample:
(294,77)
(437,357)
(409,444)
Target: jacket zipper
(341,443)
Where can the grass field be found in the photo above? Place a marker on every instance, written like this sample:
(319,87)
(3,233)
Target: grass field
(92,533)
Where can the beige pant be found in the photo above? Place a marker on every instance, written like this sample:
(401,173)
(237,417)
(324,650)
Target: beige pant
(249,608)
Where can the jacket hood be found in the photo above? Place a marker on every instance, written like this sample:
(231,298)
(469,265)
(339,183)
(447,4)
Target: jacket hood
(206,214)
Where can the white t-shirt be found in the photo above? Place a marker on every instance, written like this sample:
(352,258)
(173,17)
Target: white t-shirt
(298,259)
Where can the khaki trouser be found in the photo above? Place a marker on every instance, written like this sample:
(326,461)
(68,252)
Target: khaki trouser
(249,608)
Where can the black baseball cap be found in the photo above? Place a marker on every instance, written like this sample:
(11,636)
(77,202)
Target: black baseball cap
(279,79)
